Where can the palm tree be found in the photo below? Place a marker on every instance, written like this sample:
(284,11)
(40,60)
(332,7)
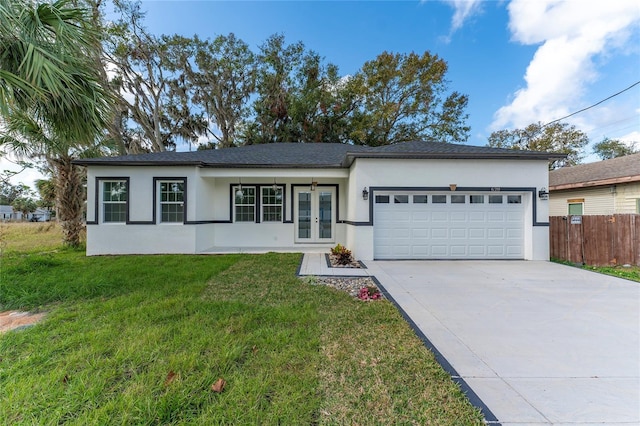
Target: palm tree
(51,101)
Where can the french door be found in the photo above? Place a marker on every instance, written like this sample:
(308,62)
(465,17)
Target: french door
(315,215)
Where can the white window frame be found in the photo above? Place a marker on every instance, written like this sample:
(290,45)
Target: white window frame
(175,202)
(104,203)
(280,190)
(236,204)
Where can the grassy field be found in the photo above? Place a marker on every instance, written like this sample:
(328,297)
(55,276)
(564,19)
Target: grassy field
(141,340)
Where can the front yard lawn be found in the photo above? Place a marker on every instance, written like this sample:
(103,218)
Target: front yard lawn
(142,339)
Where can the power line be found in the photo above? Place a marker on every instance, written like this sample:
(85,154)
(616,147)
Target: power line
(591,106)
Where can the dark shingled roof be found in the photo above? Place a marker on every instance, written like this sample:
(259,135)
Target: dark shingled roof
(606,172)
(310,155)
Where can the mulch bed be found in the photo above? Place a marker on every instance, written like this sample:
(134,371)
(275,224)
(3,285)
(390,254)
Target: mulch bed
(333,260)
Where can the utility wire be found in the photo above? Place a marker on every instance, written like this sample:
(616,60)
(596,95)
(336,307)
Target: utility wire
(591,106)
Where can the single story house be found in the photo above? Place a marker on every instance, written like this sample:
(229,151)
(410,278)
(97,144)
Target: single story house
(39,215)
(601,188)
(411,200)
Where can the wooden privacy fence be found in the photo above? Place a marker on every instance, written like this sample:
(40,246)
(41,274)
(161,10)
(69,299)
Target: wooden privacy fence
(596,240)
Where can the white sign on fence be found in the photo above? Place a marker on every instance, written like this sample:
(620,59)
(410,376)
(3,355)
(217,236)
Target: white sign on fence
(576,220)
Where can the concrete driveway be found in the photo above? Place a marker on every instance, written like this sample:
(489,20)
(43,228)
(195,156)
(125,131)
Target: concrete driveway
(537,342)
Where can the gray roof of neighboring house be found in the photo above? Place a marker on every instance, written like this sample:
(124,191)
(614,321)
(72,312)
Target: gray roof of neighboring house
(315,155)
(605,172)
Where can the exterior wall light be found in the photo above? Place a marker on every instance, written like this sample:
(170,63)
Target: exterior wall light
(365,194)
(543,194)
(313,185)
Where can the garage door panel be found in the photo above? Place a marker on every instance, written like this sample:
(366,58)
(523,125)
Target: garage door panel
(458,217)
(494,250)
(439,250)
(417,217)
(514,217)
(420,250)
(458,250)
(495,233)
(438,233)
(439,217)
(457,233)
(496,216)
(422,230)
(514,233)
(475,233)
(477,217)
(418,233)
(479,251)
(514,250)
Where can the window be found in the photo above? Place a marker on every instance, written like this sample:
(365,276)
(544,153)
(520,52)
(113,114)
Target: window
(575,209)
(271,204)
(495,199)
(419,199)
(514,199)
(114,201)
(172,201)
(439,199)
(382,199)
(400,199)
(638,206)
(245,203)
(457,199)
(476,199)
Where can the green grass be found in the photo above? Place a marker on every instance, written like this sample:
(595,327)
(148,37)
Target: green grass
(632,273)
(29,236)
(291,353)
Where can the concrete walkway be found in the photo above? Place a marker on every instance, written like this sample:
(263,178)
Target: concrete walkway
(316,264)
(532,343)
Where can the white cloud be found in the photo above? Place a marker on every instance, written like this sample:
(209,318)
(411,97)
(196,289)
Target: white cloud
(463,9)
(571,35)
(632,138)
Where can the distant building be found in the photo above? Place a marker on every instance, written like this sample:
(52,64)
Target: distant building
(600,188)
(39,215)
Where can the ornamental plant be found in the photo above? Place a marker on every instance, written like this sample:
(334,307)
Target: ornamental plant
(342,254)
(369,293)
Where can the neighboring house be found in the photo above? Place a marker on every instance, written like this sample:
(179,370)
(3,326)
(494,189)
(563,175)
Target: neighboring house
(7,213)
(601,188)
(412,200)
(40,215)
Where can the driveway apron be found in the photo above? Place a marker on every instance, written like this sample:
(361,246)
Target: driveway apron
(537,342)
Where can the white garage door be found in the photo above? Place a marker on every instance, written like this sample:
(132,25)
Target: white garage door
(448,226)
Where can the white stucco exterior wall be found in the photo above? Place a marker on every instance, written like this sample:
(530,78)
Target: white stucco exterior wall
(209,203)
(416,174)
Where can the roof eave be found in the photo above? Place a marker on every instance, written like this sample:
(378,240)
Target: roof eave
(351,156)
(594,183)
(204,164)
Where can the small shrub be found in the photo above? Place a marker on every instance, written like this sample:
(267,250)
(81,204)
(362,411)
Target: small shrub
(369,293)
(342,254)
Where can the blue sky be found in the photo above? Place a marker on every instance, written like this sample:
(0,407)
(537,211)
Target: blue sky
(519,61)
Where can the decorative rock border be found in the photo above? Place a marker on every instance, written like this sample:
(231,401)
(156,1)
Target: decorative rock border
(351,285)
